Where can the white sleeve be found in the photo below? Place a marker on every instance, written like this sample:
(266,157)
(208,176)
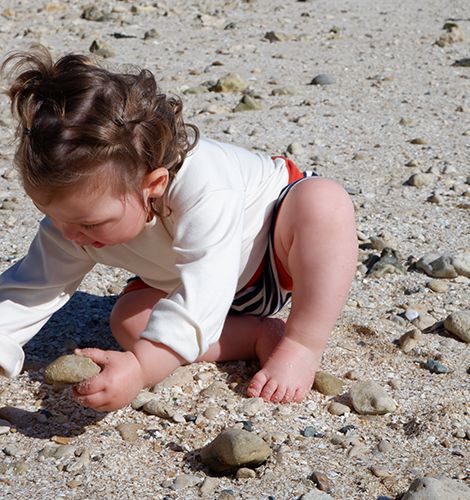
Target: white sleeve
(207,244)
(35,288)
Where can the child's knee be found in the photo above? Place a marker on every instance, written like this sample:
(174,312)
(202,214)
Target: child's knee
(131,313)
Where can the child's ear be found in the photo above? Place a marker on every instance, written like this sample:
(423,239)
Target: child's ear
(155,183)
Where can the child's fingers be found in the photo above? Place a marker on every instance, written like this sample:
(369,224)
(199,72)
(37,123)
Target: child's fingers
(99,356)
(97,401)
(90,386)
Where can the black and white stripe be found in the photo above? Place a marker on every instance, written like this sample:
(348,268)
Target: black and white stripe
(266,296)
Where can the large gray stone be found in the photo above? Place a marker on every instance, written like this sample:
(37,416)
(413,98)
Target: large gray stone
(437,265)
(233,449)
(430,488)
(445,265)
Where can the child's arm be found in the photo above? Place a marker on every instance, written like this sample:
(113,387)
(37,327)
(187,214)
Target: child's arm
(34,288)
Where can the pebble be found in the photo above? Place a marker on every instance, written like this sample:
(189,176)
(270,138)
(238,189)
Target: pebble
(328,384)
(275,36)
(279,91)
(11,450)
(446,265)
(424,321)
(420,141)
(436,199)
(421,180)
(338,409)
(151,34)
(380,471)
(82,461)
(209,485)
(229,83)
(156,407)
(235,448)
(211,412)
(295,148)
(388,263)
(321,481)
(93,13)
(352,375)
(247,103)
(128,431)
(180,377)
(409,340)
(411,314)
(430,488)
(437,286)
(369,398)
(142,398)
(458,323)
(102,49)
(310,431)
(384,446)
(360,156)
(5,426)
(323,79)
(185,481)
(251,407)
(453,35)
(245,473)
(70,369)
(316,495)
(435,367)
(356,451)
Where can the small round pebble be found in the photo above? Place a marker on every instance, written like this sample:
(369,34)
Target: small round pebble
(310,431)
(435,367)
(437,286)
(323,79)
(384,446)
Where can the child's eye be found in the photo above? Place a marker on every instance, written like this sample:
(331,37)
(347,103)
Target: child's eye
(89,226)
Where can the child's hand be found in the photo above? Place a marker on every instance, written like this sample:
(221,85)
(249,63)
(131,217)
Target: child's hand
(116,386)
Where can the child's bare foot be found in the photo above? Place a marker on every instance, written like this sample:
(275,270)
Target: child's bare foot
(287,373)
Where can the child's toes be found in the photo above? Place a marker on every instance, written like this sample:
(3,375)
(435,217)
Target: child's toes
(279,394)
(300,394)
(269,389)
(289,395)
(256,385)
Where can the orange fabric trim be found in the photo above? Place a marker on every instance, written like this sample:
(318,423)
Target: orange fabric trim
(134,285)
(284,278)
(295,174)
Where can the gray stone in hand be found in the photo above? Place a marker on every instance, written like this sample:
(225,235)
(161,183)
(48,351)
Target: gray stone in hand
(233,449)
(70,369)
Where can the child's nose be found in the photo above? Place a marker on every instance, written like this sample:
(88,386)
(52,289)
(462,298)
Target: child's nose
(70,231)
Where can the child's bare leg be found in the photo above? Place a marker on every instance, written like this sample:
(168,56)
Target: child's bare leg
(241,338)
(316,241)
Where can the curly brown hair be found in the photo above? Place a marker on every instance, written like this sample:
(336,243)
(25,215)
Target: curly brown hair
(75,116)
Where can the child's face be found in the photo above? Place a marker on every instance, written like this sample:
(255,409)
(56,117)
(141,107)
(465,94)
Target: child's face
(96,217)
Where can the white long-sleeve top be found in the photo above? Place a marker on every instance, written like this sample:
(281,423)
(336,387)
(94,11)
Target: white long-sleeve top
(200,255)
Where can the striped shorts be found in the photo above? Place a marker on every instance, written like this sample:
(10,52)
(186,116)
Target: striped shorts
(267,296)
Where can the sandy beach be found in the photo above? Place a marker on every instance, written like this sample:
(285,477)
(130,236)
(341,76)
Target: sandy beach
(388,118)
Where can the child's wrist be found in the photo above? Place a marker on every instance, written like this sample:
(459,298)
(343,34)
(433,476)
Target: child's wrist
(156,361)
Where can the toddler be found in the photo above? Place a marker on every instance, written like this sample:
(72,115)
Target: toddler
(219,238)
